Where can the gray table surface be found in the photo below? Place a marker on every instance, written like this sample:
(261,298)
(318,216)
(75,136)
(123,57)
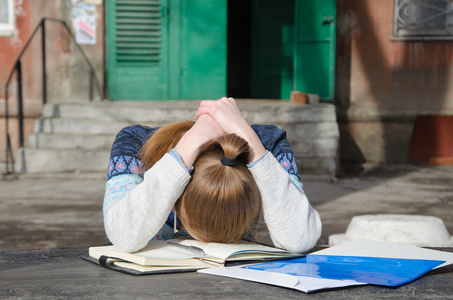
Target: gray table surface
(62,274)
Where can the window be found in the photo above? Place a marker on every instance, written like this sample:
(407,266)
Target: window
(423,19)
(6,17)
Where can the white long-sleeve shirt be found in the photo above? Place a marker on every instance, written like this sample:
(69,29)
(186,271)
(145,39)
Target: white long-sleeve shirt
(136,208)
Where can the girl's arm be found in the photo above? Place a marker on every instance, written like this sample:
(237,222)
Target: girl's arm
(135,210)
(292,223)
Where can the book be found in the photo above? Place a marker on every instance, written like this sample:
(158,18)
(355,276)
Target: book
(180,255)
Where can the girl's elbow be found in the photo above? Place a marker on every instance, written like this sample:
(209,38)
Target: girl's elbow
(123,240)
(309,238)
(125,243)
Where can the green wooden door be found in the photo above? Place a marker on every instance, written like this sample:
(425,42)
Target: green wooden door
(272,49)
(198,49)
(314,52)
(137,47)
(160,49)
(204,44)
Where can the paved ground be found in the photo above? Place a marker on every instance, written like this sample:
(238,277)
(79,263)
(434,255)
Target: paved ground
(66,211)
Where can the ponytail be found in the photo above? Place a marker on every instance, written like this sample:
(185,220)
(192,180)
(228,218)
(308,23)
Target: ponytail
(222,199)
(233,146)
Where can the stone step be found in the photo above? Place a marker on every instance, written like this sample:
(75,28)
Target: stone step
(163,112)
(77,137)
(78,126)
(60,141)
(62,161)
(129,112)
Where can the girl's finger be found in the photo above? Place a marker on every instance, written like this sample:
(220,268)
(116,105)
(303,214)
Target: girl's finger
(204,108)
(208,107)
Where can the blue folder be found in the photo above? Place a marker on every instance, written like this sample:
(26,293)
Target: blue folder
(371,270)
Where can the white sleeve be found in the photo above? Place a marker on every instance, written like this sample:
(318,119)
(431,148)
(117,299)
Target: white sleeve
(132,219)
(292,223)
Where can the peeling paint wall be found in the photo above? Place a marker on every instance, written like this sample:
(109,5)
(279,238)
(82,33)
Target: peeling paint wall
(67,72)
(382,84)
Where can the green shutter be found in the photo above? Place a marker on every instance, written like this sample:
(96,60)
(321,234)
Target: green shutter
(137,49)
(158,50)
(138,32)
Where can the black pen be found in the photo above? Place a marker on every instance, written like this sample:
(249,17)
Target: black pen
(192,249)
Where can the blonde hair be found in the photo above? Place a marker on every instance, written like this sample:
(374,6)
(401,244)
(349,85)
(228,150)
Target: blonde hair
(161,142)
(221,201)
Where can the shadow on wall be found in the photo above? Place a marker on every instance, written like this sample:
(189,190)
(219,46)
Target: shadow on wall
(381,84)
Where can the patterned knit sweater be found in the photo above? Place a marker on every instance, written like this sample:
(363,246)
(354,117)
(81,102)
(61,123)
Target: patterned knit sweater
(139,207)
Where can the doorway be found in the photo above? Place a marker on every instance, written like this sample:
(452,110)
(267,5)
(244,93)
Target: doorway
(275,47)
(260,48)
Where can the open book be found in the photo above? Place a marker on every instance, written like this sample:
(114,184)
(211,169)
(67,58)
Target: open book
(179,255)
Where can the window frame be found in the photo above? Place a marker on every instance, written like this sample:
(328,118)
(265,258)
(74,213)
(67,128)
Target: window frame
(8,28)
(401,33)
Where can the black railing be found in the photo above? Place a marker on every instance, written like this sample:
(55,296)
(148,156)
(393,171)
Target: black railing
(18,70)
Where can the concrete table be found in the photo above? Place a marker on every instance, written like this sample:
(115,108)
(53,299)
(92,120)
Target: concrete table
(61,274)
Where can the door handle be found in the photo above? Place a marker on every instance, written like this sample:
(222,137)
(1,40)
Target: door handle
(327,20)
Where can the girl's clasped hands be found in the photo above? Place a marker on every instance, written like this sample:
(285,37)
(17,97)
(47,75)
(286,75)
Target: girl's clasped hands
(216,118)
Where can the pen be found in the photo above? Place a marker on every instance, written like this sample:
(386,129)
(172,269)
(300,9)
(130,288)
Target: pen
(192,249)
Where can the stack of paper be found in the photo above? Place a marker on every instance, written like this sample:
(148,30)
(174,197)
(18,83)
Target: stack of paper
(357,262)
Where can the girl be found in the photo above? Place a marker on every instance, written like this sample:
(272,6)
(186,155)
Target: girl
(226,180)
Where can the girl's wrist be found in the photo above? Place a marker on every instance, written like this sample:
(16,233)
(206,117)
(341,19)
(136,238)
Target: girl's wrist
(256,148)
(256,151)
(189,148)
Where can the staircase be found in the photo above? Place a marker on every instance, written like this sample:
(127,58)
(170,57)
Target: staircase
(77,137)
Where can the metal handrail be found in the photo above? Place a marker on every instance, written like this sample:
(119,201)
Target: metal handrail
(18,70)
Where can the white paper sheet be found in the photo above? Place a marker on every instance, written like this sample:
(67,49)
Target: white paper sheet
(300,283)
(362,247)
(371,248)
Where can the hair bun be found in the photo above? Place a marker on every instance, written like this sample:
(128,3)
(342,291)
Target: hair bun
(228,161)
(235,150)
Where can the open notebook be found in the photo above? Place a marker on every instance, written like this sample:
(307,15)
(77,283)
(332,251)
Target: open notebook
(179,255)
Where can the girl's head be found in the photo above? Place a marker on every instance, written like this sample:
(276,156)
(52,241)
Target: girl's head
(222,198)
